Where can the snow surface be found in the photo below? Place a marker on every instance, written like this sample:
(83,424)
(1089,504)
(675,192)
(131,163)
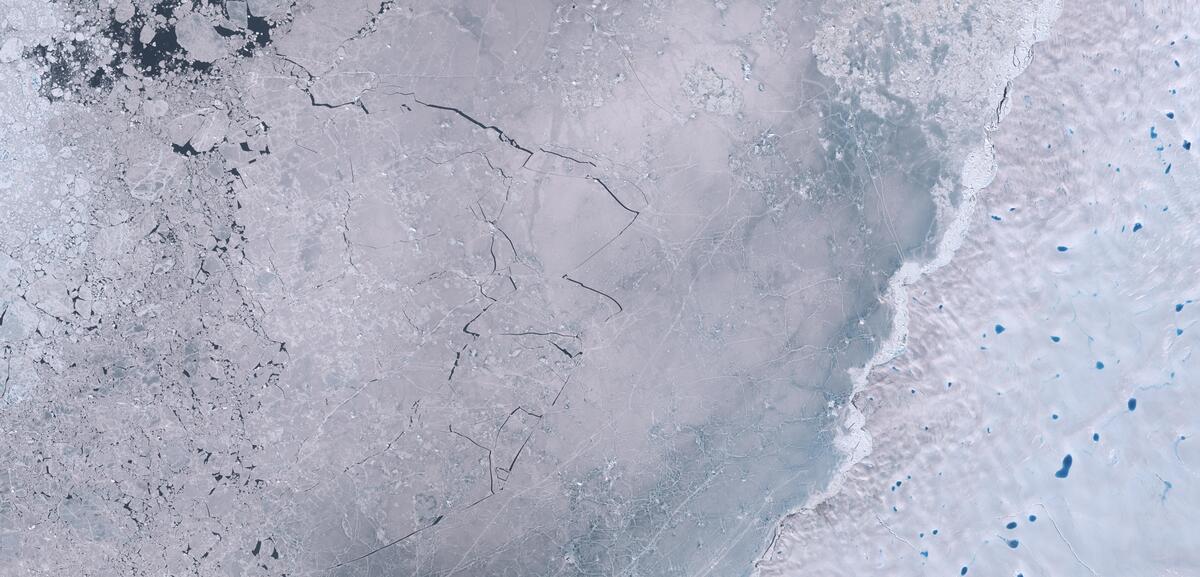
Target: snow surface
(1061,334)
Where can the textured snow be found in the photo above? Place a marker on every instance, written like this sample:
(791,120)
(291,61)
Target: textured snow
(1023,358)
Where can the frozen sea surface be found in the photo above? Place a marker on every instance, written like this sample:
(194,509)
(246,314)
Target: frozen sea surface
(548,288)
(1042,419)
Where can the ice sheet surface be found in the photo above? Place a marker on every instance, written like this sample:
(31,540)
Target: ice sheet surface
(547,288)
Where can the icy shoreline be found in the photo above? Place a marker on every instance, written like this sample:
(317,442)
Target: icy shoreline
(1042,420)
(853,441)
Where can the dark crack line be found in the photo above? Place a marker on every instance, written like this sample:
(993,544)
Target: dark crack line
(1003,101)
(560,390)
(482,212)
(373,23)
(467,327)
(606,244)
(487,296)
(541,334)
(505,138)
(381,548)
(491,475)
(311,77)
(565,157)
(508,470)
(492,244)
(498,169)
(376,453)
(495,223)
(457,358)
(511,244)
(635,214)
(8,371)
(614,196)
(620,308)
(519,409)
(491,249)
(564,351)
(357,101)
